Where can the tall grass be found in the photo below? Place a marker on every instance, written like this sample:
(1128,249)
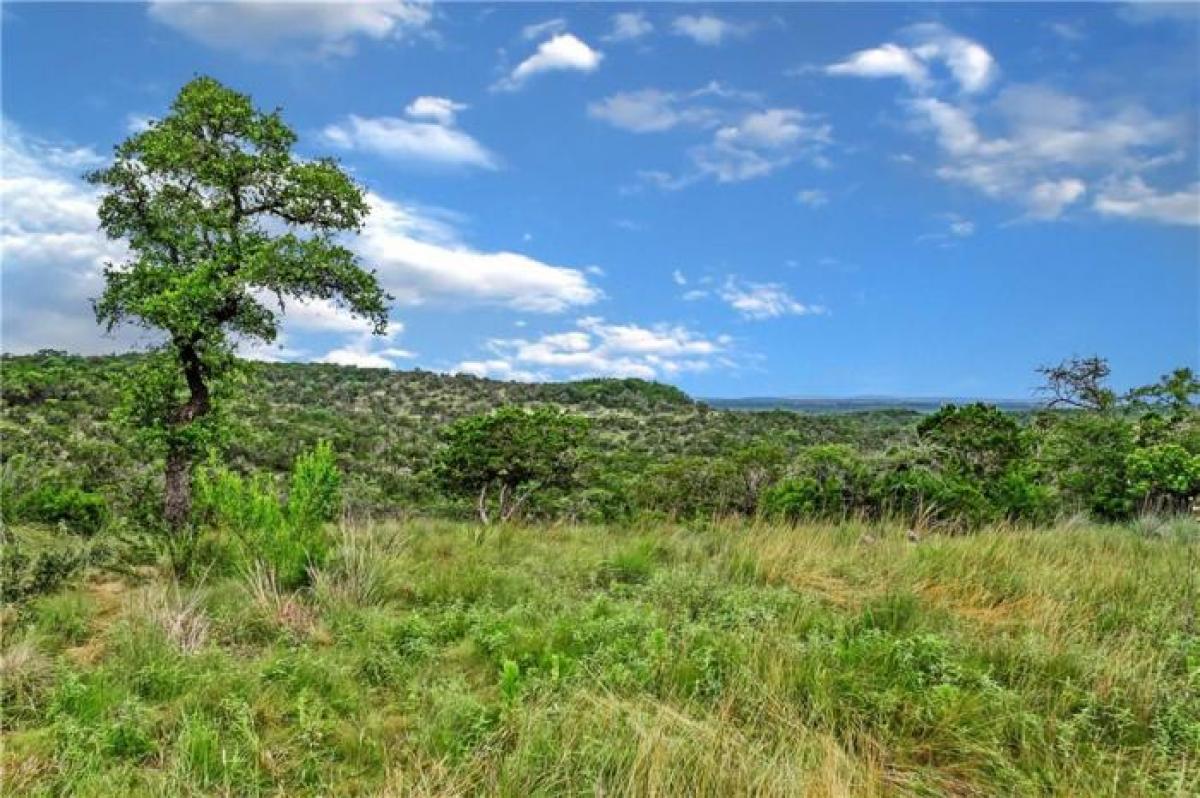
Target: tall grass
(716,659)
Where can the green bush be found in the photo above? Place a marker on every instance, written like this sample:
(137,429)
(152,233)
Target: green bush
(919,492)
(1163,476)
(25,572)
(290,537)
(79,510)
(828,481)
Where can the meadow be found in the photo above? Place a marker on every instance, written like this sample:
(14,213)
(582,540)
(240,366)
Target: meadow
(721,658)
(402,583)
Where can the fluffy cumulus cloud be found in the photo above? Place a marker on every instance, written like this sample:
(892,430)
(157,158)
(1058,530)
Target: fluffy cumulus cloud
(885,61)
(599,348)
(564,52)
(421,260)
(928,47)
(426,135)
(367,352)
(52,252)
(707,29)
(1027,144)
(760,301)
(259,27)
(439,109)
(629,26)
(745,139)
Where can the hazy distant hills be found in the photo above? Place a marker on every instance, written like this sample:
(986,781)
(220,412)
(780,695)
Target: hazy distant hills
(854,404)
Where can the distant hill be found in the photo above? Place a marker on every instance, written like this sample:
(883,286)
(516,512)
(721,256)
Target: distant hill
(858,404)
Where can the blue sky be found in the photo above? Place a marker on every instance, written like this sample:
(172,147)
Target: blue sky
(739,199)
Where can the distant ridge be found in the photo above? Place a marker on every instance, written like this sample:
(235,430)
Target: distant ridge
(858,404)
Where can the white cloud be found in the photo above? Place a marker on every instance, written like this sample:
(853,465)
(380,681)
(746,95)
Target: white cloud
(812,197)
(761,143)
(885,61)
(1047,148)
(747,141)
(968,63)
(649,111)
(432,143)
(537,30)
(707,29)
(138,123)
(259,27)
(51,250)
(957,227)
(598,348)
(759,301)
(323,315)
(439,109)
(679,277)
(1031,145)
(53,257)
(1131,198)
(361,353)
(1048,199)
(498,369)
(962,227)
(564,52)
(421,260)
(628,26)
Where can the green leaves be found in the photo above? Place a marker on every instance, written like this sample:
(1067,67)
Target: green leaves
(513,451)
(202,197)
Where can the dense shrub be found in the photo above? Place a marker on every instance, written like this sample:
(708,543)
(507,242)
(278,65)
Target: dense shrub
(909,485)
(1086,455)
(504,458)
(1163,476)
(30,570)
(81,511)
(829,481)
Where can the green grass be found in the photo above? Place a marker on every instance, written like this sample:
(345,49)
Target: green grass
(438,659)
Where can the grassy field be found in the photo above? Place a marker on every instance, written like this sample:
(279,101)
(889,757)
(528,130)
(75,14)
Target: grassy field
(438,659)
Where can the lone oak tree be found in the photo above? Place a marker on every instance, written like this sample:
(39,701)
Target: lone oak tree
(220,216)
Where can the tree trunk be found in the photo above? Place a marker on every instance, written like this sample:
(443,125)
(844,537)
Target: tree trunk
(177,501)
(177,498)
(481,505)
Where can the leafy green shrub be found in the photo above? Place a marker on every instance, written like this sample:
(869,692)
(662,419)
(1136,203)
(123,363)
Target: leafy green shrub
(1020,495)
(692,487)
(79,510)
(315,494)
(1085,454)
(25,572)
(1163,476)
(828,481)
(290,537)
(976,439)
(508,455)
(919,492)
